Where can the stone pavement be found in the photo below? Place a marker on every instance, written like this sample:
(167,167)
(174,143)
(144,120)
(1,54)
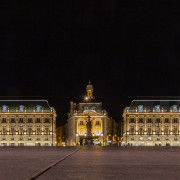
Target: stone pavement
(125,163)
(21,162)
(129,163)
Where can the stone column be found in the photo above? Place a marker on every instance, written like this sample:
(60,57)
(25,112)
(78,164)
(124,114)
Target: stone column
(162,120)
(153,123)
(171,123)
(145,123)
(127,119)
(8,124)
(136,123)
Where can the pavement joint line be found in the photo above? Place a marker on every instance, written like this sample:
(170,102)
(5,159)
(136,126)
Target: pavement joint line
(36,175)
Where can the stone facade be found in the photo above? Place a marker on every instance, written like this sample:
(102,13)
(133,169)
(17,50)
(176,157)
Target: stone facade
(88,123)
(27,123)
(152,122)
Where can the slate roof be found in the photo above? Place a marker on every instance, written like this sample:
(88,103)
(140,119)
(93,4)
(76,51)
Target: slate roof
(30,105)
(149,104)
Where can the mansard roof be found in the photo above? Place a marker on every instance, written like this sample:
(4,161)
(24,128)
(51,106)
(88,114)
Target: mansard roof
(30,105)
(149,104)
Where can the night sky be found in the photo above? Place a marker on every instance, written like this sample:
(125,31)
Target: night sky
(126,49)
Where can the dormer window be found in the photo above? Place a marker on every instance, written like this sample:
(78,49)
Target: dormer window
(157,108)
(93,108)
(38,108)
(4,108)
(21,108)
(174,108)
(140,108)
(85,108)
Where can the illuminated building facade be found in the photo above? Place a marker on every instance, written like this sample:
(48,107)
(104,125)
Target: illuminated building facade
(88,123)
(27,123)
(150,122)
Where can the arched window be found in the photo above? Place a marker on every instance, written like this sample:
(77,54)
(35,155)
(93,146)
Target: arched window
(89,92)
(38,108)
(157,108)
(174,108)
(140,108)
(4,108)
(21,108)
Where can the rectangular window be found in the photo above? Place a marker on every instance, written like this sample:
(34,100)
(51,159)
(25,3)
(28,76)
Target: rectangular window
(97,123)
(4,130)
(29,120)
(21,129)
(175,120)
(38,120)
(132,130)
(132,120)
(140,120)
(158,120)
(12,129)
(46,120)
(149,129)
(157,129)
(46,129)
(81,131)
(175,130)
(3,120)
(20,120)
(166,131)
(149,120)
(97,131)
(81,122)
(29,129)
(166,120)
(38,130)
(12,120)
(140,130)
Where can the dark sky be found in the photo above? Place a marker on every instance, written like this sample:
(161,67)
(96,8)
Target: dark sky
(126,49)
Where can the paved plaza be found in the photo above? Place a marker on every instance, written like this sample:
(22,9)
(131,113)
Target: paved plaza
(90,163)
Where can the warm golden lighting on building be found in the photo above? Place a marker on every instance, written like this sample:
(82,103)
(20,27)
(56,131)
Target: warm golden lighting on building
(88,123)
(152,123)
(27,123)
